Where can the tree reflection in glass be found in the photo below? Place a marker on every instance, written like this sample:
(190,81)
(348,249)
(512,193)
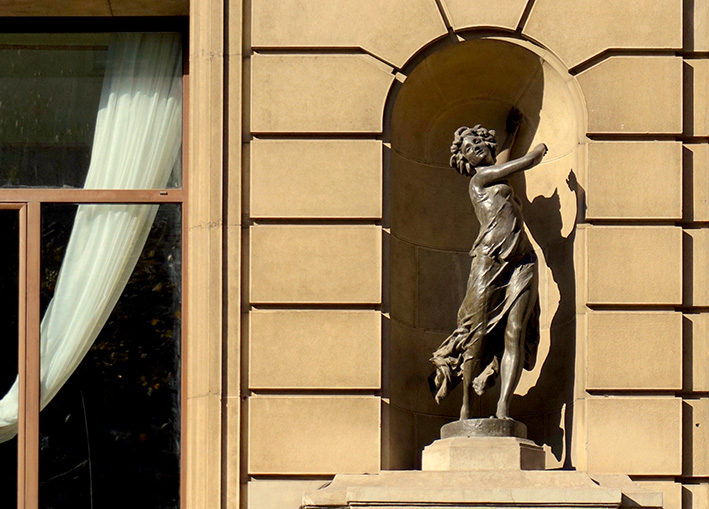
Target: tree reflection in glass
(111,436)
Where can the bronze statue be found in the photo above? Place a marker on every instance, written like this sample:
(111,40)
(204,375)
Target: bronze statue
(498,321)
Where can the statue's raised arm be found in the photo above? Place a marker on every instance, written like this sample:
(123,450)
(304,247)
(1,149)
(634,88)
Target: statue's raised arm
(489,174)
(498,321)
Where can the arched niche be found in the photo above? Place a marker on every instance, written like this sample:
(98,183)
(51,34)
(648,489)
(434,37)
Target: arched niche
(433,227)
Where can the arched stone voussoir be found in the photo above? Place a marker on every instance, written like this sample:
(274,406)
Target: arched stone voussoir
(577,31)
(464,14)
(393,30)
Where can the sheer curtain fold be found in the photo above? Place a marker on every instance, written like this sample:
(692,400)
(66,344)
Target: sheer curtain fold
(136,146)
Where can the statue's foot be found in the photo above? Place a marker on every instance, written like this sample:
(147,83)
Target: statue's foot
(479,386)
(480,381)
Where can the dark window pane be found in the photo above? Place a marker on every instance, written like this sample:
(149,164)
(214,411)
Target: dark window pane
(9,231)
(50,87)
(110,438)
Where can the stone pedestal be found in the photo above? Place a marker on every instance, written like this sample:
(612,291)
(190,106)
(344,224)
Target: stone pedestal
(480,453)
(482,463)
(483,444)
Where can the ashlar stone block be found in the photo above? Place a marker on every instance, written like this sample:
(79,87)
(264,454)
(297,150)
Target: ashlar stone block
(431,207)
(316,264)
(634,435)
(696,182)
(696,438)
(403,280)
(634,265)
(697,20)
(578,30)
(314,349)
(467,14)
(634,95)
(696,262)
(202,376)
(633,494)
(398,435)
(393,30)
(695,495)
(318,93)
(634,180)
(696,87)
(316,179)
(204,447)
(627,350)
(671,492)
(313,434)
(442,278)
(410,349)
(277,494)
(696,357)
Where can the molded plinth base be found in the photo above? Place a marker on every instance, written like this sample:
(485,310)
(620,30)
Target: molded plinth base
(484,428)
(483,453)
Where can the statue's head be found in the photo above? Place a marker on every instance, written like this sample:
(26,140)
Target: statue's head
(473,147)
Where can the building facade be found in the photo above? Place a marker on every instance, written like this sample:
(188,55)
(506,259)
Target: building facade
(325,239)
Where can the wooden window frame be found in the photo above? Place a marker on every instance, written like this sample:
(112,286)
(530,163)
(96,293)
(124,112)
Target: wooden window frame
(28,202)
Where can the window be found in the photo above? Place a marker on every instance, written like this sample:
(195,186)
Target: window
(90,208)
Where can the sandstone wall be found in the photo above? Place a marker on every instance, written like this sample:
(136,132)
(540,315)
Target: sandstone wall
(341,274)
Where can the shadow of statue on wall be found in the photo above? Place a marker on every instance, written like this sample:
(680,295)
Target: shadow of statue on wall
(554,388)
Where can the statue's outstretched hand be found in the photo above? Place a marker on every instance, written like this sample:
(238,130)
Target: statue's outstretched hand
(538,153)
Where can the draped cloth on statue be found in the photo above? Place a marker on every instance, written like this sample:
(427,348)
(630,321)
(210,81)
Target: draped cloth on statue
(503,267)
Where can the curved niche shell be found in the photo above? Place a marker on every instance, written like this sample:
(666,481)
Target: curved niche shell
(433,224)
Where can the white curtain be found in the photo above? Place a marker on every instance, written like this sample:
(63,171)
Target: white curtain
(136,145)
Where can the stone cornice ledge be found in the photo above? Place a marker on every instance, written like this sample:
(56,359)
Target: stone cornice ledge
(498,489)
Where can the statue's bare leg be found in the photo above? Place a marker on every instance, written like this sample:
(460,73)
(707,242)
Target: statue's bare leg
(467,385)
(471,368)
(513,357)
(472,313)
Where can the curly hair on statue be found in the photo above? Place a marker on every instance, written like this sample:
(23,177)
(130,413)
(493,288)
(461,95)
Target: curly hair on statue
(458,160)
